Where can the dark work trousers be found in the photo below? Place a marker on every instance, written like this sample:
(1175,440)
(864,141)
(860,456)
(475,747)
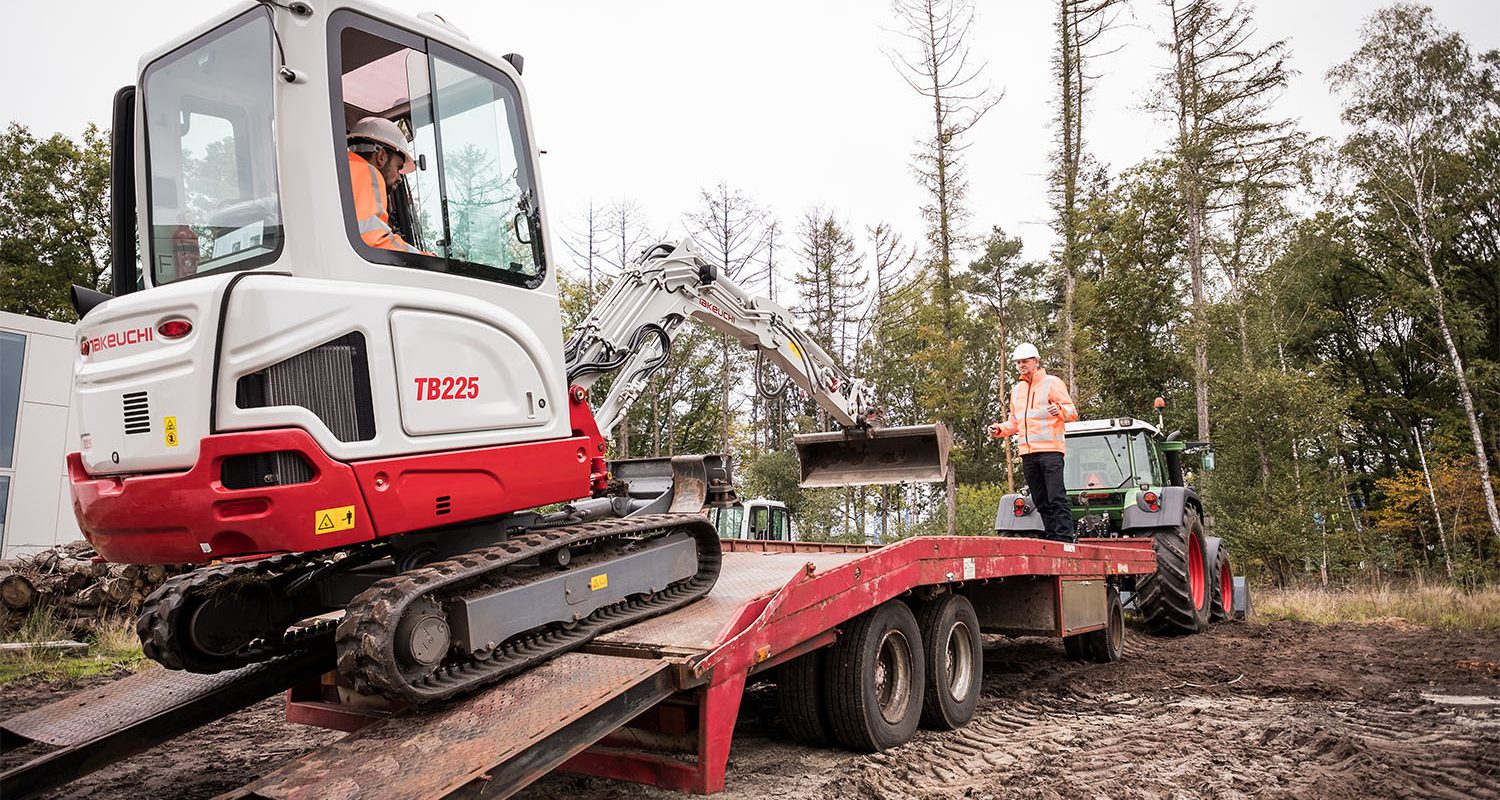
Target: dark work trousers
(1044,477)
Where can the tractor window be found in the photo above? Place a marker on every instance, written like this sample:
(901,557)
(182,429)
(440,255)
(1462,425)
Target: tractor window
(760,524)
(728,521)
(778,525)
(1097,462)
(469,206)
(210,143)
(1145,465)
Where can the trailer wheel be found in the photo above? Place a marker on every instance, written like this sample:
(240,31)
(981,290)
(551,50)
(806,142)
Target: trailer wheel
(1107,644)
(1221,604)
(955,662)
(876,673)
(1175,599)
(799,695)
(1073,647)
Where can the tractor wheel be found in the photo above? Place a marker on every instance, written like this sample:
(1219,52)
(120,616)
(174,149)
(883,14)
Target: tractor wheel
(1175,598)
(955,662)
(1221,604)
(876,675)
(1107,644)
(799,694)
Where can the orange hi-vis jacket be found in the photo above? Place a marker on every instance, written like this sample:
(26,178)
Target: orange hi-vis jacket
(1040,432)
(369,207)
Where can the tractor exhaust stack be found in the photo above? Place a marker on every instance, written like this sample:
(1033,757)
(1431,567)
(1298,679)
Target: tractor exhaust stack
(858,457)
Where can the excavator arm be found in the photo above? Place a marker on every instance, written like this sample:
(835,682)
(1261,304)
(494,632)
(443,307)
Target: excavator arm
(630,332)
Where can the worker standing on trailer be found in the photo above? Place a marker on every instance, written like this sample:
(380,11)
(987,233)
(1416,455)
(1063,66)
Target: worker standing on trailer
(378,158)
(1039,408)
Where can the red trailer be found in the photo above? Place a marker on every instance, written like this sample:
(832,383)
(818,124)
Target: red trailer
(866,643)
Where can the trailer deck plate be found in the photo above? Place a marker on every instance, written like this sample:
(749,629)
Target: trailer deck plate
(503,736)
(745,576)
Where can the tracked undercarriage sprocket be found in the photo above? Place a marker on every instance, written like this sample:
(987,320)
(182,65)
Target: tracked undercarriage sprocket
(390,633)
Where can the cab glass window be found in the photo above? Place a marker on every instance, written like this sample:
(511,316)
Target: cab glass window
(469,207)
(760,526)
(210,146)
(778,525)
(729,521)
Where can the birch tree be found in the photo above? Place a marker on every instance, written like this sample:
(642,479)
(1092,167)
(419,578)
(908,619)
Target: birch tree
(1414,95)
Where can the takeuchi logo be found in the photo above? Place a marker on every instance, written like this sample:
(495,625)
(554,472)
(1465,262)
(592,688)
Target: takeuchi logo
(121,339)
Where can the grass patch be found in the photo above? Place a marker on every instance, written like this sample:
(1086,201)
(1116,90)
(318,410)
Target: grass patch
(1429,606)
(113,646)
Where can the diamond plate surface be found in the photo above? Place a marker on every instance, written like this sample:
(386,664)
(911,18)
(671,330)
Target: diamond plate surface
(432,753)
(87,715)
(745,577)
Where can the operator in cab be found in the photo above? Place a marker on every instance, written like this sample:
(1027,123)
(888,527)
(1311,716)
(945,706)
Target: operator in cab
(379,157)
(1040,407)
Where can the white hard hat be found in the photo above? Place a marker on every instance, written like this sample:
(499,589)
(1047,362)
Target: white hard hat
(1024,350)
(383,132)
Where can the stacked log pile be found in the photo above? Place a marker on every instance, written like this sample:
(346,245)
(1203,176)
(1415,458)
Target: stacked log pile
(77,588)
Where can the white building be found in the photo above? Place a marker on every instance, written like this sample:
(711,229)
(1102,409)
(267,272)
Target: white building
(37,429)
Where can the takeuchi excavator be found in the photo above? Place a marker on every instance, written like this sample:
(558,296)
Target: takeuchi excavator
(390,453)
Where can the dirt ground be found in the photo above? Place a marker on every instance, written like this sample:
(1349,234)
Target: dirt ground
(1290,710)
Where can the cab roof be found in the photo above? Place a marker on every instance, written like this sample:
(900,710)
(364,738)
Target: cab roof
(1112,425)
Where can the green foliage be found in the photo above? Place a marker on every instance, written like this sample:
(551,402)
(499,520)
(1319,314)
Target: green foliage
(54,199)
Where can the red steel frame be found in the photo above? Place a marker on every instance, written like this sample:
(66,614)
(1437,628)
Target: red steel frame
(800,616)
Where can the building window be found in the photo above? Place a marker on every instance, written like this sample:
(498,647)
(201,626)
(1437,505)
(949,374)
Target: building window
(12,358)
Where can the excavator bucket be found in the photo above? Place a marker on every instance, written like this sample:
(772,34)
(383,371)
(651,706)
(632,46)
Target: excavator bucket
(911,454)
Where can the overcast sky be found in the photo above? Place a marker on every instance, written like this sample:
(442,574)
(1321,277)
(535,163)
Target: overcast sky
(792,101)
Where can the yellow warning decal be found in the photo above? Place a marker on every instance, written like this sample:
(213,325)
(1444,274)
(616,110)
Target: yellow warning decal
(598,581)
(330,520)
(797,351)
(169,424)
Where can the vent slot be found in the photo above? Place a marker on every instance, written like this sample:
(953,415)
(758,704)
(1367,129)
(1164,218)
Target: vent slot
(444,504)
(137,413)
(331,380)
(259,470)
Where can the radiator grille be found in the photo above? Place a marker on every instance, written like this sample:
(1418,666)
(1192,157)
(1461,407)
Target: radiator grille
(331,380)
(257,470)
(137,413)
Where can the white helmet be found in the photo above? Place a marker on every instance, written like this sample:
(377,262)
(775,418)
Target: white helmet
(385,133)
(1024,350)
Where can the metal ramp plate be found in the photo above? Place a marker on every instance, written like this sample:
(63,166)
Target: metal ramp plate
(96,727)
(489,744)
(745,577)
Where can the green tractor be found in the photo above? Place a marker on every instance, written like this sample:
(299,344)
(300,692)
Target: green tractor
(1124,479)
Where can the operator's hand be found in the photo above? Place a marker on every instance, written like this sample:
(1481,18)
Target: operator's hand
(1054,409)
(995,430)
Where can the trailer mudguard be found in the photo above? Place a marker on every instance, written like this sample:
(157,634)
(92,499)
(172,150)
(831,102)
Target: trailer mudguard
(1173,501)
(1007,521)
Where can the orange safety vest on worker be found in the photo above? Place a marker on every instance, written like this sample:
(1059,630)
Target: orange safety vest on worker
(369,207)
(1040,431)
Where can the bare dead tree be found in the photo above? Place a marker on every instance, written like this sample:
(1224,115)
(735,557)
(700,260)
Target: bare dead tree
(935,63)
(1080,24)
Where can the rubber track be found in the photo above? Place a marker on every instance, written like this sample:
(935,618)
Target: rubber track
(366,635)
(1166,598)
(164,611)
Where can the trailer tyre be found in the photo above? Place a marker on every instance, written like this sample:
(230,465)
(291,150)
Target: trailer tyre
(800,697)
(1222,602)
(1107,644)
(955,662)
(1073,646)
(876,674)
(1175,599)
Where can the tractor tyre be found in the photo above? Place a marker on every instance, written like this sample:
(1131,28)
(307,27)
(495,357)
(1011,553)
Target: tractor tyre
(1175,598)
(877,672)
(1107,645)
(800,685)
(955,662)
(1221,603)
